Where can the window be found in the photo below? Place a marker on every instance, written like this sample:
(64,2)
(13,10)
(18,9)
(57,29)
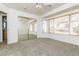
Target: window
(74,28)
(61,25)
(65,25)
(33,27)
(45,24)
(51,26)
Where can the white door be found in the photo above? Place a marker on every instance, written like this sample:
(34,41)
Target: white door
(1,28)
(23,30)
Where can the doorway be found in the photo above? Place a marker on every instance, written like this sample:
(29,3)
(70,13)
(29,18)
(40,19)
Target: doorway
(24,32)
(3,28)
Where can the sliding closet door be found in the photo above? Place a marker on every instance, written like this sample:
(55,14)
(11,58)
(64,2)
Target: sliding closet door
(22,29)
(33,30)
(0,28)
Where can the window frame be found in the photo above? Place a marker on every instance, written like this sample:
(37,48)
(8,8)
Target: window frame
(46,26)
(33,26)
(69,24)
(50,25)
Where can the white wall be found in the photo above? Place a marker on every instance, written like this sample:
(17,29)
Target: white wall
(12,26)
(39,26)
(12,22)
(23,27)
(0,28)
(4,8)
(60,37)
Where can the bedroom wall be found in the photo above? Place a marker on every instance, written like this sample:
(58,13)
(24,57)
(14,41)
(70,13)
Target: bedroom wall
(12,22)
(60,37)
(13,27)
(0,28)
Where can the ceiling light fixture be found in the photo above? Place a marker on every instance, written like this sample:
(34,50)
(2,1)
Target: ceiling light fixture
(38,5)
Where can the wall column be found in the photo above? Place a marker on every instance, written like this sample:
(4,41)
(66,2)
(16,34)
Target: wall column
(39,27)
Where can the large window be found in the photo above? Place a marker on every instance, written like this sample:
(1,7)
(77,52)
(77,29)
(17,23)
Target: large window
(65,25)
(45,26)
(68,24)
(74,28)
(61,25)
(51,26)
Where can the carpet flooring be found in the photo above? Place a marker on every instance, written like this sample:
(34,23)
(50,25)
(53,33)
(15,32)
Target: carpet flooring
(40,47)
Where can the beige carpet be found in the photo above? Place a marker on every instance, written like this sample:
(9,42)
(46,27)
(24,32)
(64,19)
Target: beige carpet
(40,47)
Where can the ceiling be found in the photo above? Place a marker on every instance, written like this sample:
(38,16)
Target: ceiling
(68,11)
(31,7)
(27,19)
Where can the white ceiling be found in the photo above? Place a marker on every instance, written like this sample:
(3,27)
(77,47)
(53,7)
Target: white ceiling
(31,7)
